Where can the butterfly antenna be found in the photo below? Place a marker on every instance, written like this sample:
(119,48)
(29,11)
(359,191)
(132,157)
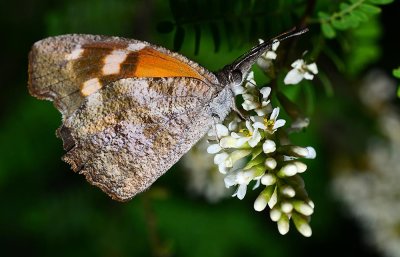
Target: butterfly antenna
(294,32)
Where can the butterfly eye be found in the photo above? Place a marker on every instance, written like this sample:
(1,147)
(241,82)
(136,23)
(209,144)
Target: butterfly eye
(236,77)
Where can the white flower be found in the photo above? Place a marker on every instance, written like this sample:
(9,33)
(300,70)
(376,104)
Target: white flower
(220,160)
(240,178)
(251,96)
(234,124)
(265,107)
(251,135)
(265,60)
(258,122)
(299,123)
(203,176)
(273,123)
(238,89)
(254,133)
(218,131)
(252,101)
(300,71)
(214,148)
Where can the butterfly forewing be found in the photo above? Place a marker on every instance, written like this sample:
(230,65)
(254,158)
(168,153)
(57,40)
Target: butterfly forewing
(66,69)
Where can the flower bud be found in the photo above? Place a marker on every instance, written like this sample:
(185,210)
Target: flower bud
(270,163)
(269,146)
(311,203)
(295,151)
(268,179)
(283,224)
(286,207)
(302,225)
(288,191)
(263,199)
(288,170)
(301,167)
(311,153)
(274,199)
(275,214)
(303,208)
(299,151)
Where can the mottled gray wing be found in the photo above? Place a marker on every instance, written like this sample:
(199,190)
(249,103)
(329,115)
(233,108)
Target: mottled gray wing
(128,134)
(122,126)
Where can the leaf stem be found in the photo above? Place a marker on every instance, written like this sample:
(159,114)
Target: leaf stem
(343,12)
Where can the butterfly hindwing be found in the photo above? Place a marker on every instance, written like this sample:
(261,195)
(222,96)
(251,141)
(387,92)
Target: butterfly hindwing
(128,134)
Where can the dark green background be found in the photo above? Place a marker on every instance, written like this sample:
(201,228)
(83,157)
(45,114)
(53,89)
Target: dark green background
(47,210)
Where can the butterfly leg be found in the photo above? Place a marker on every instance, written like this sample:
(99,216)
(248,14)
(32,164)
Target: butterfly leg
(237,111)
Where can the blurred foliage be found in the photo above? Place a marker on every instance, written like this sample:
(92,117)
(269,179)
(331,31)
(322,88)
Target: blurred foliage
(396,74)
(350,15)
(48,210)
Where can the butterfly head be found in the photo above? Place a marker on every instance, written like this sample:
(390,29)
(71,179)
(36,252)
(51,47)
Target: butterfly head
(235,73)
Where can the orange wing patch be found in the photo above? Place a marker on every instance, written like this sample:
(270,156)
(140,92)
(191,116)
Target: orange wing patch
(100,63)
(152,63)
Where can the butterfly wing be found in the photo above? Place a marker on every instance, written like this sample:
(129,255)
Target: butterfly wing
(65,69)
(130,110)
(128,134)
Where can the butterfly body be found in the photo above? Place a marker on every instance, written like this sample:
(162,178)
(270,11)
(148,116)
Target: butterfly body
(130,109)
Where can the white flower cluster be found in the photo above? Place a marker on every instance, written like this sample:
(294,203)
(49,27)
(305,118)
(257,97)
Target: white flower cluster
(203,176)
(249,151)
(372,194)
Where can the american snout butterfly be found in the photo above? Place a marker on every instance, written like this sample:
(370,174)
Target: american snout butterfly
(130,109)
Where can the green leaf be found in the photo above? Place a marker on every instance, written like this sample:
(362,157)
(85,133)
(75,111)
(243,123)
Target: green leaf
(165,27)
(197,35)
(259,159)
(380,1)
(353,20)
(328,30)
(323,15)
(178,38)
(340,24)
(229,32)
(256,152)
(398,91)
(257,169)
(396,73)
(369,9)
(326,83)
(177,7)
(215,35)
(360,15)
(310,97)
(344,6)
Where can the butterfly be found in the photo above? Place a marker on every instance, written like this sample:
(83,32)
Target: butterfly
(131,109)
